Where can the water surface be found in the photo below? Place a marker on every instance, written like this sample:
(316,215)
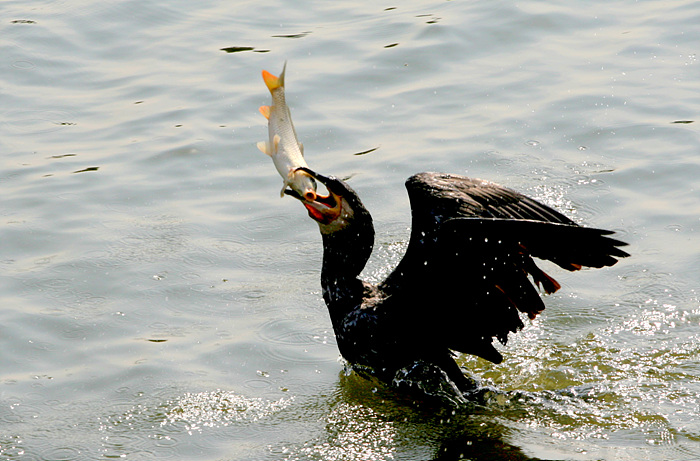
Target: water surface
(160,301)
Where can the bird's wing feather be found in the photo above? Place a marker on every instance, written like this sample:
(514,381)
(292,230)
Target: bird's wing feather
(470,254)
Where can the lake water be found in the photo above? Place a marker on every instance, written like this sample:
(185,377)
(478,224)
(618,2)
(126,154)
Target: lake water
(160,301)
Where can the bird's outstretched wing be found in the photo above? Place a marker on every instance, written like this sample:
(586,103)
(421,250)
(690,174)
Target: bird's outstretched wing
(464,276)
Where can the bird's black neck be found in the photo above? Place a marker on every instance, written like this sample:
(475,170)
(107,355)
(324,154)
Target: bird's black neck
(345,253)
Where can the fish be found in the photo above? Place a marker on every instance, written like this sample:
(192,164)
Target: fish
(283,147)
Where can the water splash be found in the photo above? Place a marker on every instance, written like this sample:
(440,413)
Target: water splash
(219,409)
(157,429)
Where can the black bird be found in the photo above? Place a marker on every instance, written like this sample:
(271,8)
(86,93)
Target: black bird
(461,283)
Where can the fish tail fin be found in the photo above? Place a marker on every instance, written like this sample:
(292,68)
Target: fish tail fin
(273,82)
(265,111)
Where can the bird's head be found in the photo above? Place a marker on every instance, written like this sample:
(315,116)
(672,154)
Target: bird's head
(345,225)
(338,209)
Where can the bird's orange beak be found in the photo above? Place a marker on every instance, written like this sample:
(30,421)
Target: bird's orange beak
(322,208)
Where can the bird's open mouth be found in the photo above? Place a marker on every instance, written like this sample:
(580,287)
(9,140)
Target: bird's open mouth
(324,208)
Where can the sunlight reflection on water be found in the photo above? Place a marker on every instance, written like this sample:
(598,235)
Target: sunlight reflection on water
(354,432)
(145,249)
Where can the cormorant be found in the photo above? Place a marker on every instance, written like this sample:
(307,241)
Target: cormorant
(461,283)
